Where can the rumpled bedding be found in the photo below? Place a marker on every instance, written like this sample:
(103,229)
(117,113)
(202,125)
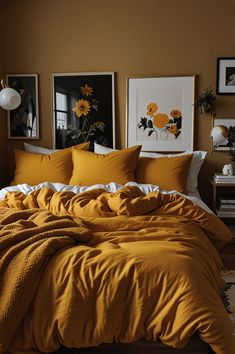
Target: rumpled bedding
(110,187)
(132,265)
(28,239)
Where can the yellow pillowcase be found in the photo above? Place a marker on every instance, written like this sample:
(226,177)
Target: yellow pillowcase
(169,173)
(34,168)
(118,166)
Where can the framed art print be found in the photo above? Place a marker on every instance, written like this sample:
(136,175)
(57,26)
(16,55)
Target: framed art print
(225,76)
(83,109)
(230,140)
(160,113)
(23,122)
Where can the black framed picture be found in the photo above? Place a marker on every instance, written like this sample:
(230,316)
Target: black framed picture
(23,122)
(225,76)
(83,109)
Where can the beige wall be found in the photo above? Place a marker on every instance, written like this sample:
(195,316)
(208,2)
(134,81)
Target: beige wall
(129,37)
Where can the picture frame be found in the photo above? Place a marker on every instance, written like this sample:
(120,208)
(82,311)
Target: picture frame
(225,83)
(23,122)
(230,124)
(160,113)
(83,108)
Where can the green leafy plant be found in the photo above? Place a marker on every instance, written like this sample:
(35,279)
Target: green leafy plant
(206,100)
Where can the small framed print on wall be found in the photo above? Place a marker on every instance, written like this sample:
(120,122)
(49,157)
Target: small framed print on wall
(83,107)
(23,122)
(230,140)
(160,113)
(225,76)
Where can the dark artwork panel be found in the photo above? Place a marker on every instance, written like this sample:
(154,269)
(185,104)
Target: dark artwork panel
(83,109)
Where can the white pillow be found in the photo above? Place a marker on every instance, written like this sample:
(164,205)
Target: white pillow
(99,149)
(37,149)
(194,169)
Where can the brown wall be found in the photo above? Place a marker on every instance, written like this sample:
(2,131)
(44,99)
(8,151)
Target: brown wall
(129,37)
(3,125)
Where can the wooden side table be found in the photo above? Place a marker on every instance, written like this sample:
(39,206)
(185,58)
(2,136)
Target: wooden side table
(218,190)
(227,254)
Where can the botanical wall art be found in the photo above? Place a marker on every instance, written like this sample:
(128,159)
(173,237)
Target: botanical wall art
(83,106)
(23,122)
(225,76)
(160,113)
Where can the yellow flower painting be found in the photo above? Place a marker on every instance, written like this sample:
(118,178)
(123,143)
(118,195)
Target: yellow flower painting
(151,108)
(83,109)
(160,120)
(166,125)
(86,90)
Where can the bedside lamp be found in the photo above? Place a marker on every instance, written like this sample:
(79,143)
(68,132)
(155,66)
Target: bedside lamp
(219,134)
(9,98)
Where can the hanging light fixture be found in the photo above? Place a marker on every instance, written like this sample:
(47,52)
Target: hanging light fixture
(9,98)
(219,134)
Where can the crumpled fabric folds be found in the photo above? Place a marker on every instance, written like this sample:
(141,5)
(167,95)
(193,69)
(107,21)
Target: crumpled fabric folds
(98,267)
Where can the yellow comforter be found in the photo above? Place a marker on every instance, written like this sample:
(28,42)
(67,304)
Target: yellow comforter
(145,266)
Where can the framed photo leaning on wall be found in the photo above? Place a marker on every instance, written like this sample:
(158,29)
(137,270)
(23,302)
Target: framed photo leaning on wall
(83,108)
(225,76)
(23,122)
(228,142)
(160,113)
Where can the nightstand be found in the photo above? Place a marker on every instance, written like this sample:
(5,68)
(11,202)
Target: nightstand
(223,193)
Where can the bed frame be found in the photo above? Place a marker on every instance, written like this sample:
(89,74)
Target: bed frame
(195,346)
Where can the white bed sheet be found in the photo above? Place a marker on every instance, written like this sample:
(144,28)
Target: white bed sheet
(112,187)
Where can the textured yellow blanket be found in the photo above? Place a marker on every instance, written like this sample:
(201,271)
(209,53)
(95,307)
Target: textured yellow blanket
(150,270)
(28,239)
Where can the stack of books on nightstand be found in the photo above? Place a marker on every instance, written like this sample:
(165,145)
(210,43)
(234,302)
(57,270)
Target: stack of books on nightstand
(226,205)
(220,178)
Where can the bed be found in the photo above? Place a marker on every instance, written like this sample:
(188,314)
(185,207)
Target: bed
(108,267)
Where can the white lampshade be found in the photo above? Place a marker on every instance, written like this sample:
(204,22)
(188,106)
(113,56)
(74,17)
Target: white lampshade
(219,134)
(9,98)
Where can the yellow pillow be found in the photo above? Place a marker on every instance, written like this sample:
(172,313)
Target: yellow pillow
(169,173)
(118,166)
(34,168)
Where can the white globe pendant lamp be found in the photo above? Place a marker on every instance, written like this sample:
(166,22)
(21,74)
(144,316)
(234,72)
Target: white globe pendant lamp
(9,98)
(219,134)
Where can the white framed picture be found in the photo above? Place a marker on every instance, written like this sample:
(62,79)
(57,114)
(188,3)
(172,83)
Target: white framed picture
(160,113)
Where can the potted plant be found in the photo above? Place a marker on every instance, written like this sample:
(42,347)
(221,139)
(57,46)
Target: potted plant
(206,100)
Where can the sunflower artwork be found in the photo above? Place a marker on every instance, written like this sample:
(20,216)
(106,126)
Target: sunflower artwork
(84,108)
(164,126)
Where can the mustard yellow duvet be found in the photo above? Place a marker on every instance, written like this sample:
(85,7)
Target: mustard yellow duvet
(100,267)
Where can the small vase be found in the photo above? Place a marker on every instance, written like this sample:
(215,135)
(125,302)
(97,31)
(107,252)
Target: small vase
(205,108)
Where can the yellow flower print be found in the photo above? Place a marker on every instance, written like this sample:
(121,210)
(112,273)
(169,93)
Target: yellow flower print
(152,108)
(160,120)
(82,108)
(86,90)
(173,129)
(176,114)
